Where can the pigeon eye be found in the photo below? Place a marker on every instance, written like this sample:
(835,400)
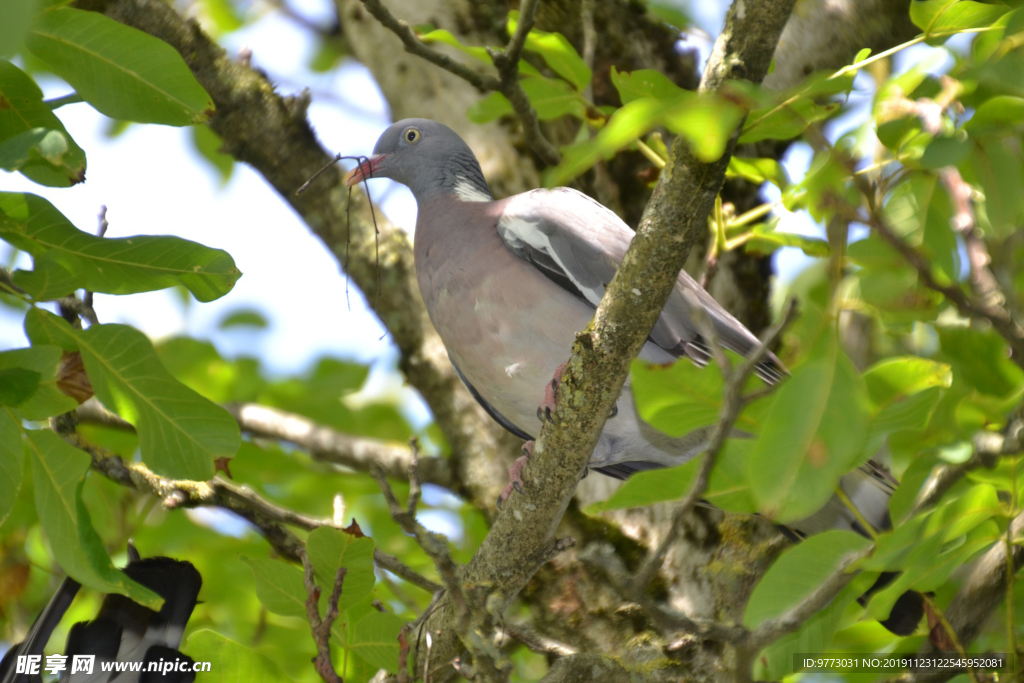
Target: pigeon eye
(411,134)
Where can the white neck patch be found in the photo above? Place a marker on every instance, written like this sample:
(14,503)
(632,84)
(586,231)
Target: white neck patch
(468,192)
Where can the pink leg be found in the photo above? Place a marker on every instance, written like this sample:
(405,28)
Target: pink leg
(547,406)
(515,474)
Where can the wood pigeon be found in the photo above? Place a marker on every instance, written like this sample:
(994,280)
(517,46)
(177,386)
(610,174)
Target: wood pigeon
(508,283)
(123,631)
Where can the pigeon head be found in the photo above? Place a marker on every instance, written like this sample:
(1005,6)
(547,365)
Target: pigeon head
(429,158)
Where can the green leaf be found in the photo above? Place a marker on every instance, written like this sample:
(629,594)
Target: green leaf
(209,145)
(279,587)
(374,639)
(46,399)
(995,115)
(727,488)
(940,16)
(980,357)
(670,13)
(813,435)
(767,239)
(776,663)
(678,398)
(798,572)
(46,329)
(758,170)
(330,549)
(12,461)
(552,98)
(634,85)
(493,106)
(231,662)
(126,265)
(17,16)
(35,147)
(180,432)
(706,121)
(628,124)
(125,73)
(995,164)
(58,472)
(244,317)
(17,385)
(894,379)
(446,37)
(22,111)
(945,151)
(557,52)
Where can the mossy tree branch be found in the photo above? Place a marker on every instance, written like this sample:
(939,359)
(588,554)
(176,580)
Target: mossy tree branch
(673,221)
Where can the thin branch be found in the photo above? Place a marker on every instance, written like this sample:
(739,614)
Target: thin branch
(988,447)
(321,628)
(182,493)
(94,412)
(773,629)
(414,46)
(506,61)
(732,405)
(536,642)
(322,443)
(401,570)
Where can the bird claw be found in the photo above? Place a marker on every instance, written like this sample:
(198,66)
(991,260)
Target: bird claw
(515,474)
(545,413)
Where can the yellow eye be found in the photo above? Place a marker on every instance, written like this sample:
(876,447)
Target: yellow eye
(411,135)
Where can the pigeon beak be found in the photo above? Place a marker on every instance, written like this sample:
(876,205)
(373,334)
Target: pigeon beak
(365,170)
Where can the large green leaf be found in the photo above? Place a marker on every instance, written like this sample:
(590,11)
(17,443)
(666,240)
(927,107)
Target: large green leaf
(123,72)
(330,549)
(677,398)
(67,258)
(12,461)
(231,662)
(374,639)
(17,16)
(980,358)
(279,587)
(727,487)
(58,471)
(46,329)
(798,572)
(180,432)
(22,114)
(634,85)
(939,16)
(894,379)
(17,385)
(813,435)
(46,399)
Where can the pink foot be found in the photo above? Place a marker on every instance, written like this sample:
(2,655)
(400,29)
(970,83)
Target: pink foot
(547,406)
(515,474)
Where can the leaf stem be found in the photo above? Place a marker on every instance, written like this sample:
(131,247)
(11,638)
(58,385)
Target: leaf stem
(57,102)
(869,529)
